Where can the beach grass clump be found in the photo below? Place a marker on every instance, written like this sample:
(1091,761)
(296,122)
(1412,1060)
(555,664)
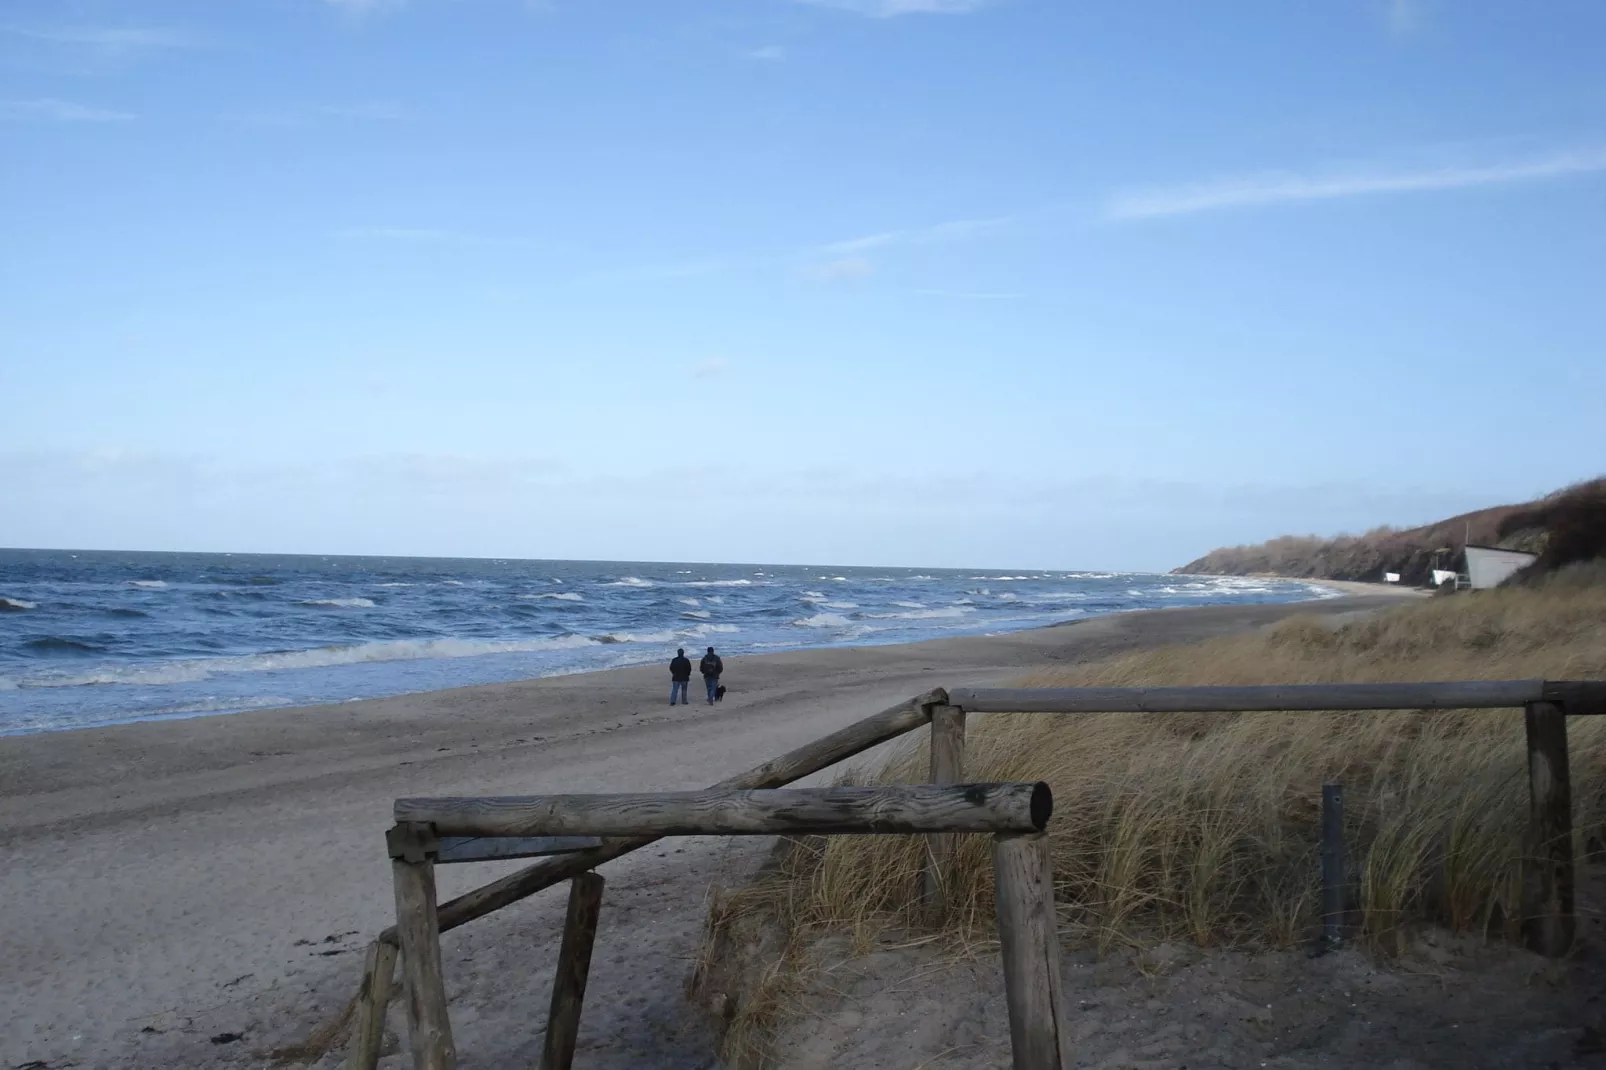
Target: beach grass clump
(1205,827)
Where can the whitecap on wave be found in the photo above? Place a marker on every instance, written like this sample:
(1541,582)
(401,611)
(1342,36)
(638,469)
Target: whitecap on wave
(341,603)
(178,672)
(824,620)
(10,604)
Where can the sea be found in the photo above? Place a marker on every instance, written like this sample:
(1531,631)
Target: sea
(96,638)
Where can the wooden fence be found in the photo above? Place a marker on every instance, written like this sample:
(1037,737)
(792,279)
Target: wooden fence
(591,830)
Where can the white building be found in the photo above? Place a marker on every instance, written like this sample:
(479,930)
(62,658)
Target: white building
(1489,567)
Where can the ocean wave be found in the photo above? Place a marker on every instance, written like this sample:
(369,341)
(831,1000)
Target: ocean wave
(718,583)
(15,605)
(925,614)
(395,585)
(636,637)
(911,605)
(697,614)
(813,596)
(341,603)
(179,672)
(61,644)
(714,599)
(840,605)
(630,581)
(7,684)
(150,585)
(561,596)
(824,620)
(688,601)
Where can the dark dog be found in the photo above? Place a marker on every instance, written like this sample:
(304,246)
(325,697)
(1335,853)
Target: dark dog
(719,693)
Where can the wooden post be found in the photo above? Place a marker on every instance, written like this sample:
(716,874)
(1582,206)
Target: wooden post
(574,962)
(1029,936)
(1548,869)
(947,767)
(429,1031)
(1333,884)
(372,1000)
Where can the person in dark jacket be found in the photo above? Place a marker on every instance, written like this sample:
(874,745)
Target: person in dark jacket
(711,667)
(679,676)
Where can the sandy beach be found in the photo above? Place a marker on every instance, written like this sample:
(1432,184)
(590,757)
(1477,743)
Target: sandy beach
(188,893)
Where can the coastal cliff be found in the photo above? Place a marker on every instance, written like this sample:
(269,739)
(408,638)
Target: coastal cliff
(1566,526)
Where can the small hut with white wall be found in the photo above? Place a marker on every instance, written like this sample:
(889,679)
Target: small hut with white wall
(1489,566)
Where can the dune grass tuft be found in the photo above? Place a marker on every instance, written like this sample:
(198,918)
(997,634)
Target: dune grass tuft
(1205,827)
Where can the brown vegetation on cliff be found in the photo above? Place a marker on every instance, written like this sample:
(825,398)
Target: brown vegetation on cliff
(1564,527)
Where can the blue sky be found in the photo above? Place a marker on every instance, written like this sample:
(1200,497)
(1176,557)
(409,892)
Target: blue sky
(927,282)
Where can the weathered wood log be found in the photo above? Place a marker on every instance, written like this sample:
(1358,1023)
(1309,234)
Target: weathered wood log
(489,848)
(1580,698)
(574,964)
(1029,941)
(429,1030)
(794,765)
(373,998)
(726,812)
(1548,868)
(1472,694)
(947,767)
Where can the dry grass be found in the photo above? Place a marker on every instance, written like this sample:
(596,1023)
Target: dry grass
(1205,827)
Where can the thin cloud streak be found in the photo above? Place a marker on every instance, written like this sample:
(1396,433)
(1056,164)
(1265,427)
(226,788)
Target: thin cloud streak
(401,234)
(1284,187)
(769,53)
(953,230)
(116,40)
(887,9)
(971,295)
(48,109)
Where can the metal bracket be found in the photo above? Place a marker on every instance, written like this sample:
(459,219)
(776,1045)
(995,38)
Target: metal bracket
(413,842)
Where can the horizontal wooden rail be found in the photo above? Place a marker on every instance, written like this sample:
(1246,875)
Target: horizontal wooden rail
(482,849)
(769,812)
(1579,697)
(822,753)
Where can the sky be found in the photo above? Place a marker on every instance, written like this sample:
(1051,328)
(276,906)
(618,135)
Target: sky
(1003,283)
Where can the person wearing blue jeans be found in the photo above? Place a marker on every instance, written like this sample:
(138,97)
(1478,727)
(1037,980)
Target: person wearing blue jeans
(679,677)
(711,667)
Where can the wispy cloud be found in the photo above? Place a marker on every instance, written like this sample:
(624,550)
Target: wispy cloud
(364,8)
(50,110)
(1405,18)
(769,53)
(953,230)
(972,295)
(108,40)
(375,111)
(1284,187)
(710,368)
(420,235)
(886,9)
(848,267)
(270,120)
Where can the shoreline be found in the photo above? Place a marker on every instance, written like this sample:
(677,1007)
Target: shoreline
(171,881)
(1336,588)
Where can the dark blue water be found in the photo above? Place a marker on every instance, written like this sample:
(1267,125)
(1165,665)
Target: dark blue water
(91,638)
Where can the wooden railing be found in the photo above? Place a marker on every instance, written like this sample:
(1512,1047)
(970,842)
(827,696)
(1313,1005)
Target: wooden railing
(591,830)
